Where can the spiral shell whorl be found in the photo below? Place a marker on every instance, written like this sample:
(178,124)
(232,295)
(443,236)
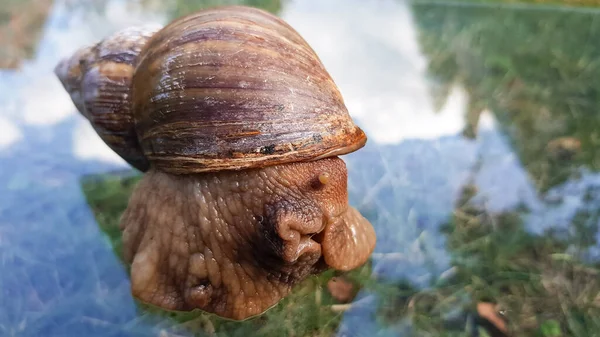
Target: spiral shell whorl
(234,88)
(98,79)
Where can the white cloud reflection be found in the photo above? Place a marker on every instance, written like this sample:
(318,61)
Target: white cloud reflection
(88,146)
(10,133)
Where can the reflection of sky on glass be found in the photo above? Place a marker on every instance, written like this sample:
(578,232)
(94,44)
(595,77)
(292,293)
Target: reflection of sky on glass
(406,180)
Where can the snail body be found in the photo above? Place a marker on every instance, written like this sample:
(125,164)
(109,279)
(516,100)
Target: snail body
(238,128)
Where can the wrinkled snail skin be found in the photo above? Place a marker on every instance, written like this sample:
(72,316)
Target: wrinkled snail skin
(235,242)
(237,127)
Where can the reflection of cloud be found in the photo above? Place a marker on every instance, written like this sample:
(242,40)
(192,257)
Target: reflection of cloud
(564,201)
(44,101)
(371,50)
(502,181)
(486,120)
(10,133)
(87,145)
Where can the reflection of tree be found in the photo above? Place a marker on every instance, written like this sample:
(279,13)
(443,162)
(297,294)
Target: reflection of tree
(591,3)
(21,24)
(171,9)
(177,8)
(538,71)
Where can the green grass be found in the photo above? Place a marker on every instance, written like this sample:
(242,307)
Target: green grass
(541,284)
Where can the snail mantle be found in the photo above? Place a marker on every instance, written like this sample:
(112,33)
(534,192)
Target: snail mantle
(237,127)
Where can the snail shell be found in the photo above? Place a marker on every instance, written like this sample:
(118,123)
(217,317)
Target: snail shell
(98,79)
(227,88)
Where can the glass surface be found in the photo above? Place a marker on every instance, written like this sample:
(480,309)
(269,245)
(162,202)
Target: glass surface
(480,175)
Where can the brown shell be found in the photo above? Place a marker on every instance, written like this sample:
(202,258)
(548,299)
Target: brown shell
(233,88)
(98,78)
